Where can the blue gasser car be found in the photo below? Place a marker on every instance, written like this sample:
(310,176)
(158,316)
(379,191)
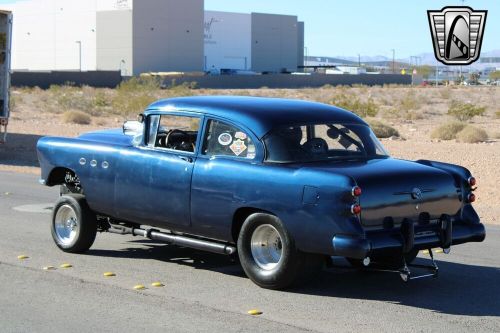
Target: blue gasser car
(285,184)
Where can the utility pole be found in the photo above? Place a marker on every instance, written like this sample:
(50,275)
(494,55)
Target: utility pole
(437,70)
(79,42)
(393,61)
(359,60)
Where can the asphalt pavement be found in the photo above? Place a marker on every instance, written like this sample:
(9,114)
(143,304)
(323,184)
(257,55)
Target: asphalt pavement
(208,292)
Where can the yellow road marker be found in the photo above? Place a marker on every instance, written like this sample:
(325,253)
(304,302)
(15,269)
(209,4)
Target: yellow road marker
(254,312)
(139,287)
(48,268)
(157,284)
(107,274)
(22,257)
(66,266)
(437,250)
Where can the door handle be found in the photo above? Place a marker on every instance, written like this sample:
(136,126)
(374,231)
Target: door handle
(186,158)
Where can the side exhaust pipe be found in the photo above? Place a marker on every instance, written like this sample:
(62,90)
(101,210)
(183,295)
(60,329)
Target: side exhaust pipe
(194,243)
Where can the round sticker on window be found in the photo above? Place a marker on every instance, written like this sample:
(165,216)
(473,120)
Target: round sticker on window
(240,135)
(225,139)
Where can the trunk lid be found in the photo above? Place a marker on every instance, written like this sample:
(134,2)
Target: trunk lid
(399,189)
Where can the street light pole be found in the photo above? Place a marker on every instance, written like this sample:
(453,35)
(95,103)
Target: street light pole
(393,61)
(122,70)
(79,42)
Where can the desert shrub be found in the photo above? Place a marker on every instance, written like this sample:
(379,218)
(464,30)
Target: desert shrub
(382,130)
(133,103)
(387,101)
(354,104)
(472,134)
(448,131)
(414,115)
(445,92)
(184,89)
(100,100)
(68,97)
(497,114)
(495,75)
(496,135)
(465,111)
(134,95)
(76,117)
(409,102)
(14,102)
(393,85)
(138,84)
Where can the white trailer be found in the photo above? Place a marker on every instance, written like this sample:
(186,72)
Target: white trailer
(5,55)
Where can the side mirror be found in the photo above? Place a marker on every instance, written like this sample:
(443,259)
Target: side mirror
(141,118)
(133,128)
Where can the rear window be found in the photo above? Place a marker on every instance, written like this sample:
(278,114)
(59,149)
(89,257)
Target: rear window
(321,142)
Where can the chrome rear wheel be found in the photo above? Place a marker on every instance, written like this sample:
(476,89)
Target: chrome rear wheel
(266,247)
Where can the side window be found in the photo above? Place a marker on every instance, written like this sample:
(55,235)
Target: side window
(153,129)
(227,140)
(176,133)
(332,134)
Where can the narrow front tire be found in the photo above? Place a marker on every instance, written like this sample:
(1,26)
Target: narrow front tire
(74,225)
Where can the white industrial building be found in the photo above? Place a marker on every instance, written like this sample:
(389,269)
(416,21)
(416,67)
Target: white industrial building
(131,36)
(136,36)
(255,41)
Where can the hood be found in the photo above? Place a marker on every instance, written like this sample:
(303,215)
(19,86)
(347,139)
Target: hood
(110,136)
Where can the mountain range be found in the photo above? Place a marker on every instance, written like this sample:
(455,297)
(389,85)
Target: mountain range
(424,58)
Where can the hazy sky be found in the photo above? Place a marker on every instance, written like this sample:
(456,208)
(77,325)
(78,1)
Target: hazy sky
(366,27)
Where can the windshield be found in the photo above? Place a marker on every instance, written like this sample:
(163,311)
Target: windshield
(321,142)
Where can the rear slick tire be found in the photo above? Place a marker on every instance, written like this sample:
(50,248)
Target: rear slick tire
(268,254)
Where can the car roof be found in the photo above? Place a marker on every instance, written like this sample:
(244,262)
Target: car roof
(259,114)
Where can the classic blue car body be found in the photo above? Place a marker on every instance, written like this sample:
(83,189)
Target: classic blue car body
(210,197)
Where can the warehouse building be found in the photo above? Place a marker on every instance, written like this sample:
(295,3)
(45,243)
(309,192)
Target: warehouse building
(257,42)
(137,36)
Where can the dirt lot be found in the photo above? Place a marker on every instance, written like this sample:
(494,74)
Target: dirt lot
(414,112)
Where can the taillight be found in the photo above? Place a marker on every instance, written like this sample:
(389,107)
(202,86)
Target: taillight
(356,191)
(471,198)
(472,181)
(356,209)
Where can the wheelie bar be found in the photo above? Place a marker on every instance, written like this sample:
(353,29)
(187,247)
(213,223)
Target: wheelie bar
(407,276)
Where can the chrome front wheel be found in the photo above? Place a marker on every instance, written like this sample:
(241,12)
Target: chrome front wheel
(74,224)
(66,225)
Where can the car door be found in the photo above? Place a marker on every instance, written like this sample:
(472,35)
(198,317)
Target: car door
(226,165)
(154,179)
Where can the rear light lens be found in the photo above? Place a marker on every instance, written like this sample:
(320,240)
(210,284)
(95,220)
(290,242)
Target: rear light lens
(472,181)
(355,209)
(471,198)
(356,191)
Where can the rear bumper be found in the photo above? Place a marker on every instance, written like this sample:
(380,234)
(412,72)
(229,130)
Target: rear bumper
(407,238)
